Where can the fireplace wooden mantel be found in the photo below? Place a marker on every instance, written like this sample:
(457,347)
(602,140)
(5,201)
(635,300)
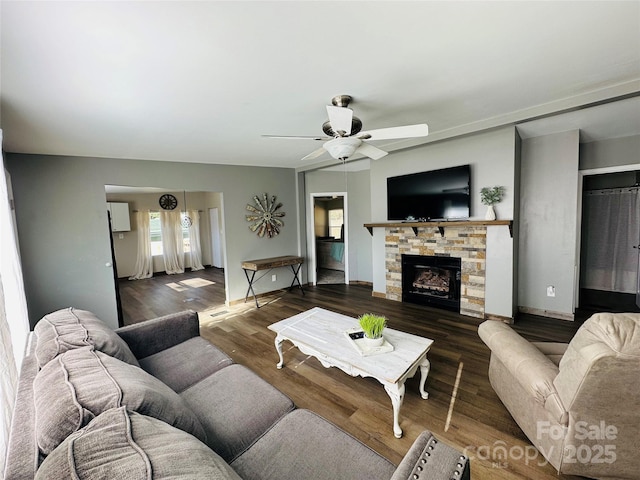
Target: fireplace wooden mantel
(440,225)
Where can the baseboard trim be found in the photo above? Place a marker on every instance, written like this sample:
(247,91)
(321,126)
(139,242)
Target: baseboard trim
(379,294)
(360,282)
(570,317)
(499,318)
(250,298)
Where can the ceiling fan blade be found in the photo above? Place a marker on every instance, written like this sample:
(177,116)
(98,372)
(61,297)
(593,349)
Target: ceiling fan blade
(340,119)
(407,131)
(370,151)
(314,154)
(297,137)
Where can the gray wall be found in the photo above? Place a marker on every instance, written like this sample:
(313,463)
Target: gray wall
(610,153)
(64,238)
(492,156)
(357,186)
(548,224)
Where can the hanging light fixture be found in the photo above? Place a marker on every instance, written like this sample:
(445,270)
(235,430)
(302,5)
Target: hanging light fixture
(186,219)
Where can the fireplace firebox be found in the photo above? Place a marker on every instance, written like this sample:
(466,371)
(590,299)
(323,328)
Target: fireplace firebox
(432,280)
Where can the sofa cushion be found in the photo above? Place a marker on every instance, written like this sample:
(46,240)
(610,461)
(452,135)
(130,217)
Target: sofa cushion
(236,407)
(80,384)
(70,328)
(126,445)
(304,445)
(186,363)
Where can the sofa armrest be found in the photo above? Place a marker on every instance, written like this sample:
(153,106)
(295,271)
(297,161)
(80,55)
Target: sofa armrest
(430,459)
(153,336)
(531,368)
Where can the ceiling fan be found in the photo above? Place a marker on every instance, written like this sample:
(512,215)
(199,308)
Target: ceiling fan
(345,138)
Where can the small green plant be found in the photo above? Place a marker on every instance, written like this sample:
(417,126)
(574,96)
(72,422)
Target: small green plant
(372,325)
(491,195)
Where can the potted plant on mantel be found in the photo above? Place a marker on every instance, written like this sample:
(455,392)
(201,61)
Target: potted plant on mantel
(372,326)
(490,196)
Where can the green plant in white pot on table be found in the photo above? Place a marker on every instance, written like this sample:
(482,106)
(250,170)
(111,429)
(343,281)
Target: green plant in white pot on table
(490,196)
(372,326)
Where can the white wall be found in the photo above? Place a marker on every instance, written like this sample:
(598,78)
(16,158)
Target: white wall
(548,224)
(492,159)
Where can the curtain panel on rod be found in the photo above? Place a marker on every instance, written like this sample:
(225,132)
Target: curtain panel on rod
(144,262)
(195,251)
(172,243)
(612,230)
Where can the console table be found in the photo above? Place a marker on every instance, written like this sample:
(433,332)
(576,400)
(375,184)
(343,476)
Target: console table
(267,264)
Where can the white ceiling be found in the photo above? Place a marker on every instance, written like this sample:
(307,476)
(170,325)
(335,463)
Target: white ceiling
(202,81)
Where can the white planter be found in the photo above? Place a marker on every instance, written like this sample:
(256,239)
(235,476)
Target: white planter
(372,342)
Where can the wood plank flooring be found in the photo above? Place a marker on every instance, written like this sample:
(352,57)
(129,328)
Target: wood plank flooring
(473,419)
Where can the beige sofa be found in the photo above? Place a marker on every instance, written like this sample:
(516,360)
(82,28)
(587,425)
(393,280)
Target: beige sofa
(578,403)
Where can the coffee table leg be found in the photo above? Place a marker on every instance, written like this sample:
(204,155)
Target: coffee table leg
(278,342)
(424,372)
(396,393)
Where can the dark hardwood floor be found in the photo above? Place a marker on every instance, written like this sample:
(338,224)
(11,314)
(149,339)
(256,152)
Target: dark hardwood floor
(462,409)
(163,294)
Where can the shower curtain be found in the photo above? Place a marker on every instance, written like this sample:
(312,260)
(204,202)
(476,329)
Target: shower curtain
(612,231)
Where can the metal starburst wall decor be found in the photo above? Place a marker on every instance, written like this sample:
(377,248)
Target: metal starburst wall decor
(266,216)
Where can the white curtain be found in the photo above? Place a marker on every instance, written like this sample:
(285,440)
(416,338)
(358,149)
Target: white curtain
(144,263)
(195,253)
(172,243)
(14,320)
(612,231)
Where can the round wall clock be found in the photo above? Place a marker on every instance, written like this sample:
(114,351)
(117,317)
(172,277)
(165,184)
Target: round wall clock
(168,201)
(265,216)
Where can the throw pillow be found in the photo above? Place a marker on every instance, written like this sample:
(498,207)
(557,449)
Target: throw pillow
(80,384)
(126,445)
(70,328)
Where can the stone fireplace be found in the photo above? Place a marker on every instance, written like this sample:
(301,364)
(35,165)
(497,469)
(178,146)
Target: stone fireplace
(467,244)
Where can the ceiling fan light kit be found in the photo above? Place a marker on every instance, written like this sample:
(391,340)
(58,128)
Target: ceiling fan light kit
(342,148)
(343,126)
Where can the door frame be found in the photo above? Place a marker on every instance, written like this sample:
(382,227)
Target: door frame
(581,175)
(311,234)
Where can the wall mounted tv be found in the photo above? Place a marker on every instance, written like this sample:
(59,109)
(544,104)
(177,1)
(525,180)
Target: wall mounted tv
(434,195)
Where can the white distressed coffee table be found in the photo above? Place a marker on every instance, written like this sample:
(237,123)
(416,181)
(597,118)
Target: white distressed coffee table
(320,333)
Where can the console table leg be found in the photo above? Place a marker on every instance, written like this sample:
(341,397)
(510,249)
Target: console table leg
(250,289)
(279,349)
(396,393)
(425,367)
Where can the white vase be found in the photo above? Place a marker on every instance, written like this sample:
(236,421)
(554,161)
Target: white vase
(373,342)
(491,213)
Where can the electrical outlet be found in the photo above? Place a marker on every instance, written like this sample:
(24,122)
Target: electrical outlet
(273,277)
(551,291)
(121,236)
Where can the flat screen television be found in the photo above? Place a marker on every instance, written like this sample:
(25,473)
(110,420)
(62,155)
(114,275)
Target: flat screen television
(434,195)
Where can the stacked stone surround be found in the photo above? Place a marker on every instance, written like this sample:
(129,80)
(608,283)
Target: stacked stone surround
(469,243)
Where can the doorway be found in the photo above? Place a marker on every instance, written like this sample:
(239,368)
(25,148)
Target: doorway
(329,243)
(201,290)
(609,276)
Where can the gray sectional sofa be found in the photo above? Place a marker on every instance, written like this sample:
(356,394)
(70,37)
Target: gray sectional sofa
(157,401)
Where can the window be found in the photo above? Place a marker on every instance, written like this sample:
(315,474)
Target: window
(156,234)
(336,220)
